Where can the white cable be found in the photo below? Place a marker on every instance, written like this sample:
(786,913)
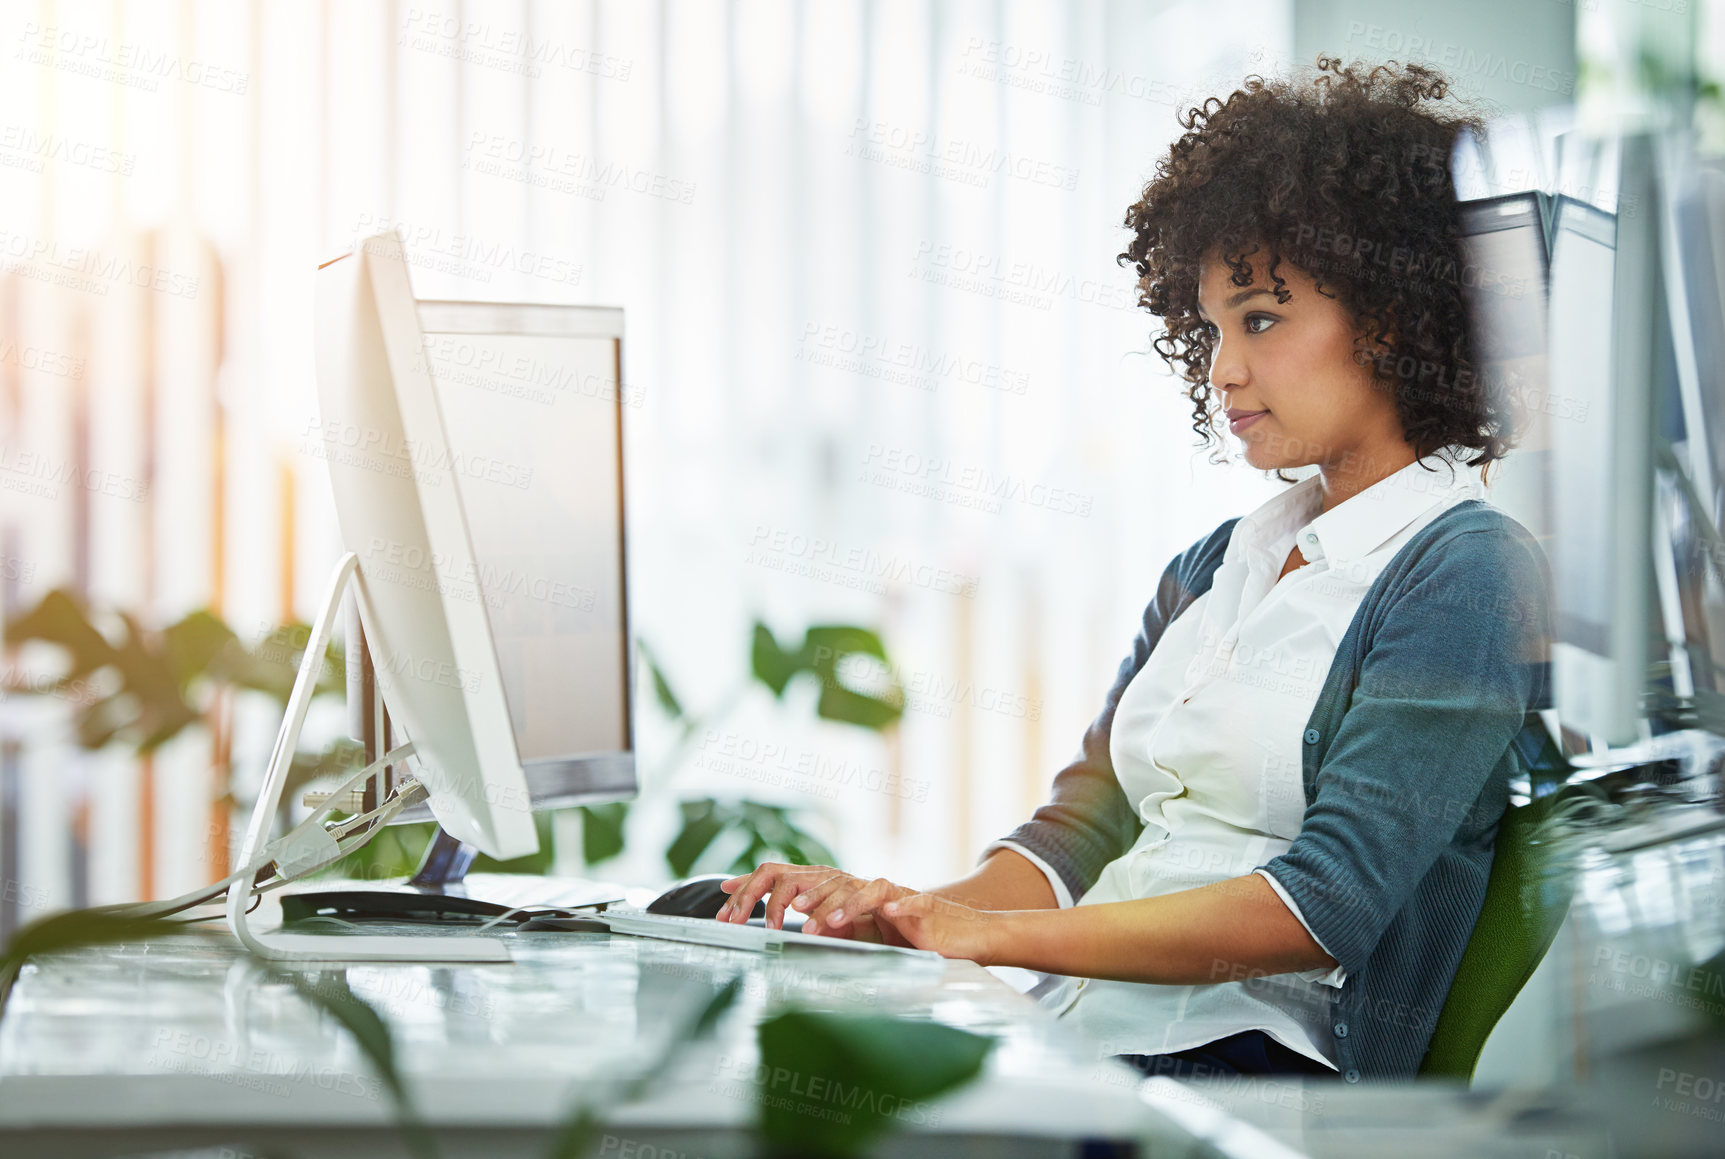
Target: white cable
(344,846)
(505,916)
(211,892)
(381,815)
(407,793)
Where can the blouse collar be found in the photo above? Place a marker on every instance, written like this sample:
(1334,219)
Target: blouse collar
(1361,523)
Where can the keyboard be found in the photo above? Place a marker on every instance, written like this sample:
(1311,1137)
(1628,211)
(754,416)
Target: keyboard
(710,932)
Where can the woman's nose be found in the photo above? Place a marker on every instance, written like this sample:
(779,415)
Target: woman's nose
(1227,373)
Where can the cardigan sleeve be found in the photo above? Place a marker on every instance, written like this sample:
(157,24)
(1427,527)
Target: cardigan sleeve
(1087,821)
(1451,667)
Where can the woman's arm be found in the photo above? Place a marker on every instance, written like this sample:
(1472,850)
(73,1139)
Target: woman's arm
(1087,821)
(1006,881)
(1228,931)
(1086,824)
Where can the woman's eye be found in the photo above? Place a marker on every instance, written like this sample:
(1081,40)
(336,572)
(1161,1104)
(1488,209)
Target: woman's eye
(1251,318)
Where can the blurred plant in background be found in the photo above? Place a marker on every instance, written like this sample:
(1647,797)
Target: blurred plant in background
(138,687)
(141,688)
(857,687)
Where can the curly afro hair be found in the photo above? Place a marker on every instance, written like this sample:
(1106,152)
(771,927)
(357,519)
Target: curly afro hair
(1346,176)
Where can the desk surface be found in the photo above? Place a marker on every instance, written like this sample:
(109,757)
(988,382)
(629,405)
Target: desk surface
(181,1040)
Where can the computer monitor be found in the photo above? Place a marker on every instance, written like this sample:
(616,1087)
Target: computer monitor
(394,475)
(1605,315)
(533,401)
(1695,287)
(497,622)
(1691,440)
(1503,241)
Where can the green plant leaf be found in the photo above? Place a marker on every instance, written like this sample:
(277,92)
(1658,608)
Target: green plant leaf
(776,831)
(395,852)
(714,1010)
(824,649)
(661,687)
(602,830)
(771,664)
(575,1138)
(103,719)
(189,645)
(703,821)
(111,925)
(158,673)
(330,993)
(859,708)
(59,618)
(72,930)
(766,830)
(839,1082)
(828,647)
(829,643)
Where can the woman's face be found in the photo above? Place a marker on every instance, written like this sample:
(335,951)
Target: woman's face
(1295,364)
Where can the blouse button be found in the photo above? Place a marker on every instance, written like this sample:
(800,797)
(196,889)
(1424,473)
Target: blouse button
(1352,1076)
(1311,736)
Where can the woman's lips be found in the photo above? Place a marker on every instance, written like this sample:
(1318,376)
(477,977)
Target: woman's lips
(1244,421)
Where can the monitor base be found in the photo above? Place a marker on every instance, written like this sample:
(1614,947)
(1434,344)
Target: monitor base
(479,898)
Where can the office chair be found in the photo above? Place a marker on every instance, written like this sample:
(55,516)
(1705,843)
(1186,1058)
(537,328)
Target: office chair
(1523,908)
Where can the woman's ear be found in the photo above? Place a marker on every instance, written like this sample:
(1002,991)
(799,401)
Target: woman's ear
(1389,331)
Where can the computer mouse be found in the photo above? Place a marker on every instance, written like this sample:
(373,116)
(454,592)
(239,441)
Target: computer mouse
(698,897)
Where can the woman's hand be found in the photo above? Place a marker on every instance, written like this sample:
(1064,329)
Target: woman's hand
(839,905)
(949,928)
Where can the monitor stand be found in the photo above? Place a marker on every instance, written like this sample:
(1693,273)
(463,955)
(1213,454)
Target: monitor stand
(292,947)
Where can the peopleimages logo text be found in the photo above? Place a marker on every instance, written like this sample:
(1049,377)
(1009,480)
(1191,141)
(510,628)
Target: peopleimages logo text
(367,441)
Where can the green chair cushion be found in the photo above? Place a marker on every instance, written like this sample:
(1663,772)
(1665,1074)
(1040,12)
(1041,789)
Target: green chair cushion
(1523,908)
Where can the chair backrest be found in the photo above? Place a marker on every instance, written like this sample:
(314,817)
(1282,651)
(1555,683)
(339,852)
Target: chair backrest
(1523,909)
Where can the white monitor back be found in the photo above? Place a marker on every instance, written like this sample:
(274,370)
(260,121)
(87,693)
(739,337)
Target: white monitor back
(534,403)
(392,472)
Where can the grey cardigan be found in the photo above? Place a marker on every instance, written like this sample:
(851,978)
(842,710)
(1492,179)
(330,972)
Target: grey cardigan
(1407,762)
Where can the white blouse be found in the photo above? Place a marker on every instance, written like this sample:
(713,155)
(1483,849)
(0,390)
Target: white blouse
(1207,744)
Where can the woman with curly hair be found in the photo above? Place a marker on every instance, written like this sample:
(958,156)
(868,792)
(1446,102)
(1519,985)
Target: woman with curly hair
(1273,845)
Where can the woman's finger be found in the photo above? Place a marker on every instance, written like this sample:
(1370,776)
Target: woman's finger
(905,920)
(810,926)
(792,887)
(846,905)
(769,878)
(808,899)
(862,905)
(832,910)
(742,901)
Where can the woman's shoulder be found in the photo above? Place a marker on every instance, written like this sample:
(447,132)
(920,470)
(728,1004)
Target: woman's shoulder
(1479,557)
(1475,532)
